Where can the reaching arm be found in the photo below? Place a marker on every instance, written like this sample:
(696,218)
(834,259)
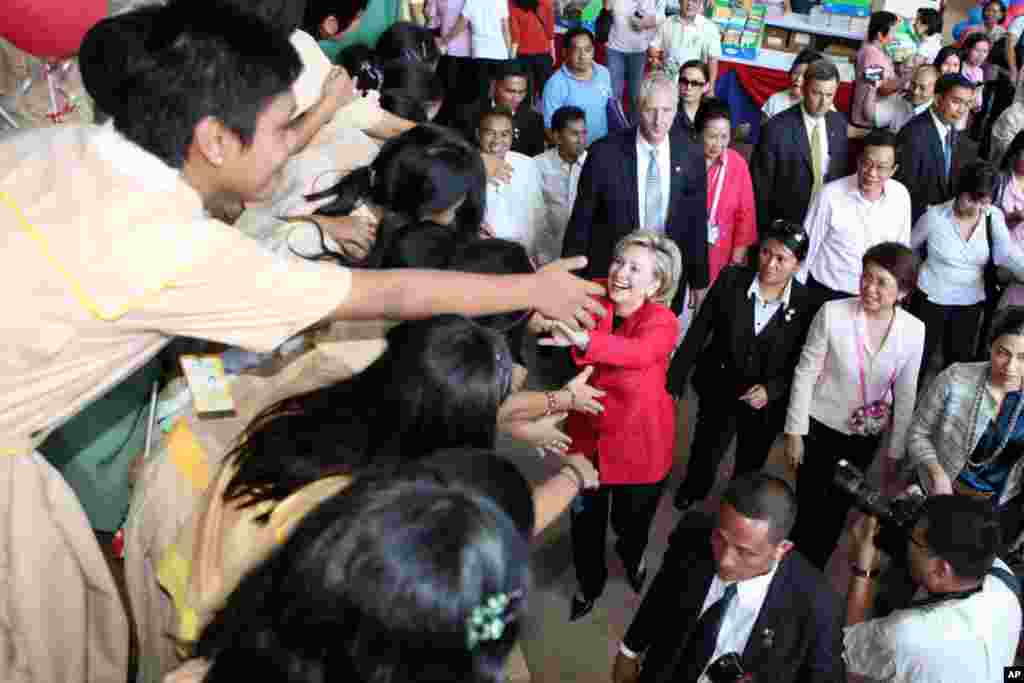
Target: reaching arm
(389,126)
(552,497)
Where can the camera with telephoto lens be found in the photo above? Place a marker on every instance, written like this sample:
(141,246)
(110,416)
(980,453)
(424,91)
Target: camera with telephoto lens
(728,669)
(896,516)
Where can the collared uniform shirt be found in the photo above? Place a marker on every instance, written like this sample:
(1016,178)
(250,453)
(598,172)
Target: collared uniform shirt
(516,211)
(683,42)
(738,620)
(953,273)
(971,639)
(563,88)
(559,181)
(780,102)
(842,225)
(643,161)
(764,310)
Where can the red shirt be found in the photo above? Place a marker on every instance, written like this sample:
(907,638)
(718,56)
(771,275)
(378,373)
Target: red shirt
(532,31)
(633,440)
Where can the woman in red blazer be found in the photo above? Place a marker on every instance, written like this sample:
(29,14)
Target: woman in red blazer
(632,441)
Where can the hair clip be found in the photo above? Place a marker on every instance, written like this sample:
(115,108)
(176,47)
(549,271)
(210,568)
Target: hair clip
(488,621)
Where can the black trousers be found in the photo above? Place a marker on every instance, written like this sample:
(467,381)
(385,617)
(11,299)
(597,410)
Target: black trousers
(632,511)
(821,506)
(539,66)
(718,420)
(821,294)
(954,327)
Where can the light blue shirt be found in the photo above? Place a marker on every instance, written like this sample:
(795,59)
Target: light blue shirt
(591,96)
(953,272)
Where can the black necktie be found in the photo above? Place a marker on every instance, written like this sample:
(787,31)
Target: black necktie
(705,636)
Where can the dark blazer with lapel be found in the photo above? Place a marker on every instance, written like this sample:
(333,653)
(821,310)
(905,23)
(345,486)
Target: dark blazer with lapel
(607,206)
(922,164)
(781,166)
(737,359)
(798,634)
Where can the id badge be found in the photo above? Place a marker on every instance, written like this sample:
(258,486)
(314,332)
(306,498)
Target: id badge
(713,233)
(211,392)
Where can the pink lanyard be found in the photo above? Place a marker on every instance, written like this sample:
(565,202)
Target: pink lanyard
(720,180)
(860,360)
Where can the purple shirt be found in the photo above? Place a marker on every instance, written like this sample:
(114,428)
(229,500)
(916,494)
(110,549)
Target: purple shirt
(444,14)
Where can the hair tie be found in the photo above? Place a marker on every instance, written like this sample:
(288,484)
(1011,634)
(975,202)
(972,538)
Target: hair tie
(488,621)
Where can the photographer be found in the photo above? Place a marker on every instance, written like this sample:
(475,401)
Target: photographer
(964,619)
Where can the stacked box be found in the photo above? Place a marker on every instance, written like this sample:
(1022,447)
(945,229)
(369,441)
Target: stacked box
(744,33)
(851,8)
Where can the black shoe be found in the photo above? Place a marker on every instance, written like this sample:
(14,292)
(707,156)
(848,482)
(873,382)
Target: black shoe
(637,575)
(581,606)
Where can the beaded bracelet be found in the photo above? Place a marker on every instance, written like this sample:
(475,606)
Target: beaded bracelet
(576,473)
(552,402)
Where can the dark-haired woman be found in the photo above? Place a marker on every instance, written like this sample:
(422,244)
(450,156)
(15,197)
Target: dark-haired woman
(732,213)
(961,236)
(200,519)
(967,437)
(759,320)
(856,380)
(336,602)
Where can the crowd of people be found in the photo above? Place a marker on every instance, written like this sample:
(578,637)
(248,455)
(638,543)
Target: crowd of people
(371,263)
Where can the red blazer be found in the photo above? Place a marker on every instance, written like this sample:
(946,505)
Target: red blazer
(633,440)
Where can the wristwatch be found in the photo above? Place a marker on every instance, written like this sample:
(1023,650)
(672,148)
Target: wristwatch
(864,573)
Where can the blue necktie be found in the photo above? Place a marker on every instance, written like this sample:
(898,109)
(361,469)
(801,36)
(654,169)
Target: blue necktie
(652,203)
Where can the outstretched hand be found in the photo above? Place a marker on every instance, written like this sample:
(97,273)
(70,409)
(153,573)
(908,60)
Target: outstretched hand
(563,296)
(584,396)
(563,335)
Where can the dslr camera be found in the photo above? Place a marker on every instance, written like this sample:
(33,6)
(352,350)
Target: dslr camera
(896,516)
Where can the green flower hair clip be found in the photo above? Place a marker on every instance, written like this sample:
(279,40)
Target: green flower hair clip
(488,621)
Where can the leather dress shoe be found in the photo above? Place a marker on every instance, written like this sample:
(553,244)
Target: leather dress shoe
(581,606)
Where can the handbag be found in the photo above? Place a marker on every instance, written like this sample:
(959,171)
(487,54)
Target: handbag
(993,286)
(870,419)
(603,26)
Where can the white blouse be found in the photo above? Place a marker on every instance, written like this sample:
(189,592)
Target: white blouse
(826,383)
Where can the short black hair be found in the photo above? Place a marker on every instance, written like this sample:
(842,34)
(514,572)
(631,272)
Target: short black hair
(415,78)
(710,109)
(963,531)
(977,179)
(972,40)
(764,496)
(947,82)
(1000,3)
(881,23)
(881,137)
(218,62)
(943,54)
(898,259)
(495,110)
(696,64)
(407,42)
(283,15)
(573,33)
(932,20)
(821,70)
(1010,320)
(345,11)
(510,68)
(403,105)
(565,115)
(805,56)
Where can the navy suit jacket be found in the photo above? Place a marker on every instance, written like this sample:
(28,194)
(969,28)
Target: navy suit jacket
(922,164)
(607,207)
(781,167)
(798,634)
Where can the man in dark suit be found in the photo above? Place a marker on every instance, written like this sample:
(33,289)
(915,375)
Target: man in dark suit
(927,145)
(643,177)
(509,89)
(735,585)
(759,320)
(796,154)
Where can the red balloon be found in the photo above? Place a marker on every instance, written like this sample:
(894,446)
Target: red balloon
(49,28)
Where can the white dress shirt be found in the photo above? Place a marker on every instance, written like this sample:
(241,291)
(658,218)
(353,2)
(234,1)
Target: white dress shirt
(953,273)
(643,160)
(826,382)
(764,310)
(515,210)
(738,620)
(810,122)
(941,127)
(961,640)
(842,224)
(559,180)
(902,112)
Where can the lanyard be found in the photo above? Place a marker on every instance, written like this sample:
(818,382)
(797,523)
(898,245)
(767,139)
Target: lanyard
(719,181)
(860,360)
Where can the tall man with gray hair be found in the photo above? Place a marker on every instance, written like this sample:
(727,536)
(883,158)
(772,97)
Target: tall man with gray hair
(644,178)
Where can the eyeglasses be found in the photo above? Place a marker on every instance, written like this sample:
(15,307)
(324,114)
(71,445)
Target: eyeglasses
(692,84)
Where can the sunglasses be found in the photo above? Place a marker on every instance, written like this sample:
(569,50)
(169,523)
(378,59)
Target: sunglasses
(692,84)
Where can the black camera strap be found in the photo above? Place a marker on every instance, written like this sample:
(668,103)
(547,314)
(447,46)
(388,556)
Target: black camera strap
(1008,578)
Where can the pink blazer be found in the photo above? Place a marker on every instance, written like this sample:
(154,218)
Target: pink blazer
(633,440)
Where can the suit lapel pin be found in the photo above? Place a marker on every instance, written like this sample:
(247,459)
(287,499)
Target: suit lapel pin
(790,312)
(768,637)
(679,169)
